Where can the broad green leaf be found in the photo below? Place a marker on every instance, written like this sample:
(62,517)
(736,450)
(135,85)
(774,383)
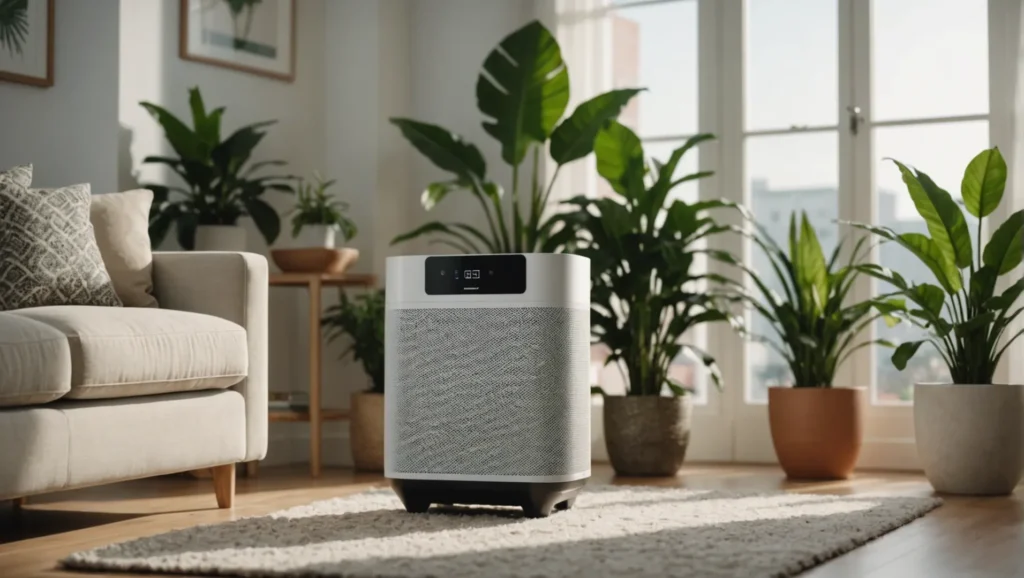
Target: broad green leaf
(928,297)
(183,140)
(904,352)
(437,227)
(1006,247)
(445,149)
(437,191)
(940,212)
(984,182)
(929,253)
(523,89)
(1006,300)
(811,267)
(232,154)
(574,138)
(983,284)
(207,126)
(620,159)
(967,328)
(265,218)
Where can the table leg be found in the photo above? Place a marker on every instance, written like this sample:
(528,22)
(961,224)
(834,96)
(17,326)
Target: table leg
(314,378)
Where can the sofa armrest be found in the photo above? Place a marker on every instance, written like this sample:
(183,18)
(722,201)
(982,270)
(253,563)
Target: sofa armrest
(231,286)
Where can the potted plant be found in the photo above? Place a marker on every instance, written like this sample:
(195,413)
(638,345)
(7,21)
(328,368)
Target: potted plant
(816,428)
(319,216)
(362,320)
(522,91)
(644,299)
(220,185)
(968,432)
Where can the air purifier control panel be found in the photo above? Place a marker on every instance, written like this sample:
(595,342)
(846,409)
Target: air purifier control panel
(475,274)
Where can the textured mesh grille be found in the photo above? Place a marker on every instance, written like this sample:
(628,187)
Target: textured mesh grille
(490,391)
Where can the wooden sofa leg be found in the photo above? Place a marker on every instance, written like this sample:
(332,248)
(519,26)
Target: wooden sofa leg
(20,502)
(224,485)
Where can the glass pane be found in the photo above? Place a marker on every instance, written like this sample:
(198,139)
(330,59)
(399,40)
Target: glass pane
(655,46)
(942,151)
(791,63)
(785,174)
(929,58)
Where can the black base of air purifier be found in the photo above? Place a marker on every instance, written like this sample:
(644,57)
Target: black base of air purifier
(537,499)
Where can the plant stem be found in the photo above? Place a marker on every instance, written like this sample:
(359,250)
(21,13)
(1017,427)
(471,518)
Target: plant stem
(517,224)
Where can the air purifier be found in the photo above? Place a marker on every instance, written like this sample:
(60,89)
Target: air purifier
(487,362)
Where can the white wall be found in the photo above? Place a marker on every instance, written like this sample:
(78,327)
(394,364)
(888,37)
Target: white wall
(69,131)
(151,70)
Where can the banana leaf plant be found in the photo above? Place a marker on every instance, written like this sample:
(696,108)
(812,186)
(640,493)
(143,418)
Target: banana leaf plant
(968,320)
(220,185)
(13,25)
(642,248)
(815,325)
(522,91)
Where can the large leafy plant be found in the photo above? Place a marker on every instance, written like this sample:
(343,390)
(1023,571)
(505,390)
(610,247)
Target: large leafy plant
(967,320)
(523,91)
(220,185)
(642,249)
(313,206)
(814,323)
(362,319)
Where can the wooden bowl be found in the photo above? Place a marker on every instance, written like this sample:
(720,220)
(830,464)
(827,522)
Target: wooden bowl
(315,259)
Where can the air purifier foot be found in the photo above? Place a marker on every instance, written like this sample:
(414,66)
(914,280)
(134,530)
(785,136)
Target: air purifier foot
(537,499)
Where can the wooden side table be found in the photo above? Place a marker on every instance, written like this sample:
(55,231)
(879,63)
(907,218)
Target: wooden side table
(314,283)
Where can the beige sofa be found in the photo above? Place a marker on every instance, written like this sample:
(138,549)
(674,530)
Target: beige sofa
(92,395)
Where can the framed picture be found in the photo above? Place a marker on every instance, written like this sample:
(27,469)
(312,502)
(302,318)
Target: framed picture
(26,41)
(256,36)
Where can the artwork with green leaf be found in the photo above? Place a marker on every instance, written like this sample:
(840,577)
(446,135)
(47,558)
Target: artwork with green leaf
(968,312)
(522,92)
(646,291)
(26,41)
(218,183)
(256,36)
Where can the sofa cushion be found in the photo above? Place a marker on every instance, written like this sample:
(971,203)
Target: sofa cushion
(35,362)
(128,351)
(120,222)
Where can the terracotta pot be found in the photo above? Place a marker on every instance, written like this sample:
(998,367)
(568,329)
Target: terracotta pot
(647,435)
(816,431)
(969,437)
(314,260)
(366,431)
(220,238)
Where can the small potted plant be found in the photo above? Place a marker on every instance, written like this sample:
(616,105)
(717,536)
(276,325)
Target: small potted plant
(816,427)
(644,299)
(968,432)
(220,184)
(318,216)
(362,320)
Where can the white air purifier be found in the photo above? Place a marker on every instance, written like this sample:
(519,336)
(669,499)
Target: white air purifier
(487,378)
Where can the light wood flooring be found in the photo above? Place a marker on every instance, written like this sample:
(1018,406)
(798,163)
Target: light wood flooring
(967,537)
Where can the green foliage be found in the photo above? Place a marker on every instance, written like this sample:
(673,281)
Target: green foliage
(968,323)
(362,319)
(522,91)
(13,25)
(220,184)
(815,326)
(642,248)
(313,206)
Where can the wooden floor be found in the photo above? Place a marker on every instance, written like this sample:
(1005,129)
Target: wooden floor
(967,537)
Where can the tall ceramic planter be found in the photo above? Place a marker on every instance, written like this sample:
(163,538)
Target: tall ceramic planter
(647,435)
(816,431)
(220,238)
(969,437)
(366,431)
(320,236)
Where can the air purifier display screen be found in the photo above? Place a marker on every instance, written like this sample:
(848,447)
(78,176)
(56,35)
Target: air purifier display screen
(484,274)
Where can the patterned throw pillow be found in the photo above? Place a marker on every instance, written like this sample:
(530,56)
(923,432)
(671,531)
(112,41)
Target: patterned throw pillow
(48,254)
(20,175)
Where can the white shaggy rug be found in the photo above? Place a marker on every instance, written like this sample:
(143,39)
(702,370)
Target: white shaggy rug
(612,531)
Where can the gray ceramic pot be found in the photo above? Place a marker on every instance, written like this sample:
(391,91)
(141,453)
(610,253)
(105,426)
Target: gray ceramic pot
(647,435)
(970,437)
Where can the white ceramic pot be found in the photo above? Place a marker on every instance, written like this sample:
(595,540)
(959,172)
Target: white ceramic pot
(970,437)
(220,238)
(315,236)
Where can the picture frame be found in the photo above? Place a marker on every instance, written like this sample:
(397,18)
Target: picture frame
(257,37)
(26,43)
